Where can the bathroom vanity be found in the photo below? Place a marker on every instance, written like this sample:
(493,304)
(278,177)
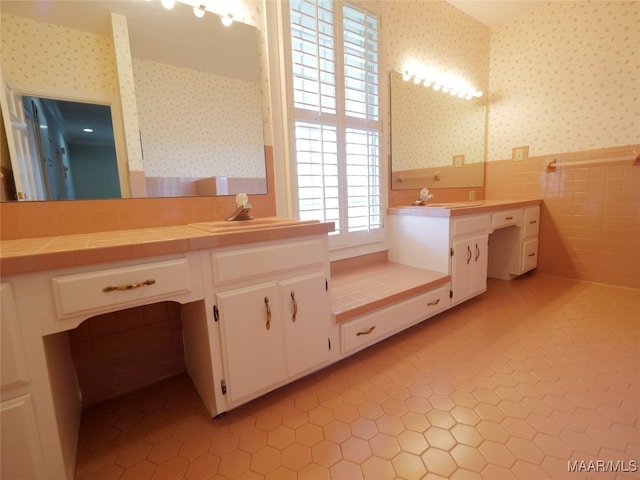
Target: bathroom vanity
(469,240)
(255,304)
(255,315)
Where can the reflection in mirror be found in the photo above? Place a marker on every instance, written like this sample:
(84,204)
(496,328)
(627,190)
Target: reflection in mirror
(69,151)
(195,82)
(437,140)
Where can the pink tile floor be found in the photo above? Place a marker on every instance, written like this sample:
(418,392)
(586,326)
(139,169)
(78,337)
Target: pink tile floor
(527,381)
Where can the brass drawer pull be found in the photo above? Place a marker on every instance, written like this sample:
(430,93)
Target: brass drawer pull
(508,218)
(435,302)
(366,332)
(532,254)
(295,306)
(468,254)
(533,222)
(266,302)
(129,286)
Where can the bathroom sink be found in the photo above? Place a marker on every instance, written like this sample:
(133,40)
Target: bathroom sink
(453,205)
(224,226)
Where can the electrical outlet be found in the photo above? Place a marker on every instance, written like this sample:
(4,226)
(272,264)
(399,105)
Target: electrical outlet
(519,154)
(458,160)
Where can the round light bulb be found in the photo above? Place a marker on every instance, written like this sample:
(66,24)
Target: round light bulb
(227,20)
(168,4)
(199,11)
(406,76)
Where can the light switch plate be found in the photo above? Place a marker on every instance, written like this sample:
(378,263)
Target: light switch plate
(519,154)
(458,160)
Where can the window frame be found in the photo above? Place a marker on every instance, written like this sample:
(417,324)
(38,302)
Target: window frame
(342,122)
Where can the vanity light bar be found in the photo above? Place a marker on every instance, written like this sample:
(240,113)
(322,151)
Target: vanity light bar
(198,10)
(467,92)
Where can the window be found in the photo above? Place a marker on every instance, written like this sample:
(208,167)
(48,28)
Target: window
(335,117)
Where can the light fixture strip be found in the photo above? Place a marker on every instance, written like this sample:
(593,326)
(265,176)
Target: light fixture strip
(199,10)
(455,88)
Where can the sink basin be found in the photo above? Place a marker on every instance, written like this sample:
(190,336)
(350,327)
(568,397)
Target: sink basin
(453,205)
(224,226)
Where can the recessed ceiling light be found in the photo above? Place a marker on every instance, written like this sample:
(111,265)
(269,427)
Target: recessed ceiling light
(88,130)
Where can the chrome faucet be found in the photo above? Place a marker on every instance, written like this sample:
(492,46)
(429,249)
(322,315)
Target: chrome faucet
(243,207)
(423,196)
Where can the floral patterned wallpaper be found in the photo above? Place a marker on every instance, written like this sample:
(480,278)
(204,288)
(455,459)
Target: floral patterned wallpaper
(564,78)
(433,127)
(422,36)
(127,91)
(177,109)
(46,56)
(436,35)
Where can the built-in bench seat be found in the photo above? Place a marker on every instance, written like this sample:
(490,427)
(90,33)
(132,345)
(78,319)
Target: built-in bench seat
(367,283)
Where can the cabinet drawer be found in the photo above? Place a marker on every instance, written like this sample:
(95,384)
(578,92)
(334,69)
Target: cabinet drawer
(529,255)
(254,262)
(115,287)
(375,326)
(465,225)
(506,218)
(531,224)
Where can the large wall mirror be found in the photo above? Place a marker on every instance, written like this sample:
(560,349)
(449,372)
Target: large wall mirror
(198,108)
(437,140)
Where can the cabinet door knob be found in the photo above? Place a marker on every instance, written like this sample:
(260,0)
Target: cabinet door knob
(295,306)
(266,302)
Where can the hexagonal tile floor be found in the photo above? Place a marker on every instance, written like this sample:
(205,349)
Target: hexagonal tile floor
(538,378)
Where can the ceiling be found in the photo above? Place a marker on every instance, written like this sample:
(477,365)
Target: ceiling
(494,13)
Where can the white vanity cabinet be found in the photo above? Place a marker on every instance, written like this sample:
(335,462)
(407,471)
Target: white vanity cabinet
(530,230)
(21,445)
(471,243)
(41,402)
(469,257)
(468,267)
(513,249)
(368,329)
(272,305)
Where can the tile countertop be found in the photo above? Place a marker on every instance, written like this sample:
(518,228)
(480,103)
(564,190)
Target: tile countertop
(46,253)
(457,209)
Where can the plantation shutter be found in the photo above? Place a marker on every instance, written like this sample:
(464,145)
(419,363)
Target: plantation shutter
(336,125)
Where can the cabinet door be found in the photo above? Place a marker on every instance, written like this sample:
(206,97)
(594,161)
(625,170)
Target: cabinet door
(253,340)
(306,316)
(469,267)
(21,452)
(480,247)
(12,360)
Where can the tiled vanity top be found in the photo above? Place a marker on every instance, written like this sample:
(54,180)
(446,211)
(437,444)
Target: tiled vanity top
(45,253)
(361,290)
(455,209)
